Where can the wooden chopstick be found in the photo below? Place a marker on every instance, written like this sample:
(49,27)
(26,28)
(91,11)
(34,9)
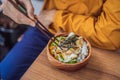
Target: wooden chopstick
(46,33)
(43,26)
(23,10)
(38,24)
(43,31)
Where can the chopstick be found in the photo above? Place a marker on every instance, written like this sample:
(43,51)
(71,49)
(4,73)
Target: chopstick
(38,27)
(46,33)
(44,30)
(43,26)
(23,10)
(38,24)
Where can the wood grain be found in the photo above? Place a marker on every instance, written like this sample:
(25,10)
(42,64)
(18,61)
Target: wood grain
(103,65)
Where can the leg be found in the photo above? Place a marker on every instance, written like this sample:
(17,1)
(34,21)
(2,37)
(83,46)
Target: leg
(23,54)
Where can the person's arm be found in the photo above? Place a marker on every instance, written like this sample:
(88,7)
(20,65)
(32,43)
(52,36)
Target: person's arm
(102,32)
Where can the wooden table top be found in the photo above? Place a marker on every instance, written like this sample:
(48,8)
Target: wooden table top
(103,65)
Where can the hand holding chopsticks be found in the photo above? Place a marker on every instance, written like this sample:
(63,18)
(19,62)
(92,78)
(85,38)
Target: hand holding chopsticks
(19,13)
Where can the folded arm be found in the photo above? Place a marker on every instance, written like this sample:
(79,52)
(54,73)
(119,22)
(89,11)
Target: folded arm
(102,31)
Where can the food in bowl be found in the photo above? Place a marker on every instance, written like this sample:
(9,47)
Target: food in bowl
(69,49)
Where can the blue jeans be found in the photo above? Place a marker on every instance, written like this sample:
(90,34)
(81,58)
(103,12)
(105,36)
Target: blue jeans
(23,54)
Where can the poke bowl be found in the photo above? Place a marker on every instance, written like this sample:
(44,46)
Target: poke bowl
(68,51)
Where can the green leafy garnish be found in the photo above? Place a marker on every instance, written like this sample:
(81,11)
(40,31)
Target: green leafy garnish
(72,61)
(60,58)
(53,44)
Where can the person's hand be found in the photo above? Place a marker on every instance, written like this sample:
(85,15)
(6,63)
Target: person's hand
(11,9)
(46,17)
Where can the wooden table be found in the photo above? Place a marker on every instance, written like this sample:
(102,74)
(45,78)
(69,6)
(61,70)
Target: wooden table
(103,65)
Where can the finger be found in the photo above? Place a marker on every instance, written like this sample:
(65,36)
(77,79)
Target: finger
(18,17)
(29,8)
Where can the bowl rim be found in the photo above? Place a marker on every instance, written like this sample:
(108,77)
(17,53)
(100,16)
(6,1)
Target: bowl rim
(65,34)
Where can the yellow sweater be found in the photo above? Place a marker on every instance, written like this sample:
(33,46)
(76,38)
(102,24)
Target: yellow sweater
(97,20)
